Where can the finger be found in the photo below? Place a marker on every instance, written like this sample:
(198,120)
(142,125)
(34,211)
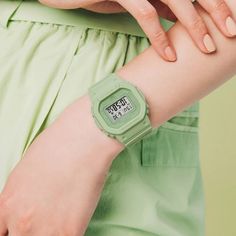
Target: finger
(193,22)
(163,10)
(148,18)
(3,226)
(3,230)
(221,15)
(106,7)
(68,4)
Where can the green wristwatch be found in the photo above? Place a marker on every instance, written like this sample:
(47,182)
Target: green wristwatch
(120,109)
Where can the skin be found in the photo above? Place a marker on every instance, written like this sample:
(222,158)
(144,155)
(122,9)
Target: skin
(147,14)
(65,195)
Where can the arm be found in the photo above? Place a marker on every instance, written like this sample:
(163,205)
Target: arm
(171,87)
(168,87)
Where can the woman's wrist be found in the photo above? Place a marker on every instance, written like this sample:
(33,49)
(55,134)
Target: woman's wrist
(79,121)
(168,87)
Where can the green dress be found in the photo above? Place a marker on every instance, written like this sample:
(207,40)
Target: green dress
(49,58)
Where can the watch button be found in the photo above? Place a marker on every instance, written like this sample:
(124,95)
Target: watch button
(110,135)
(148,110)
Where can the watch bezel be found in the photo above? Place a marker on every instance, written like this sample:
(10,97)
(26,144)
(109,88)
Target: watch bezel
(122,129)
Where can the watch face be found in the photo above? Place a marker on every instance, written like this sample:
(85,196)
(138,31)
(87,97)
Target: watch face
(120,110)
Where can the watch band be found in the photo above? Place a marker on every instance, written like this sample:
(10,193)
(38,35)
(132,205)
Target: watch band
(104,88)
(136,133)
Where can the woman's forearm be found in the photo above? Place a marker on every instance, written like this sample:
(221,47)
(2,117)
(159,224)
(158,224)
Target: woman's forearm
(83,154)
(172,87)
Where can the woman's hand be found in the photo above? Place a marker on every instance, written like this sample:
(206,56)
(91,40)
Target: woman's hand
(55,188)
(147,12)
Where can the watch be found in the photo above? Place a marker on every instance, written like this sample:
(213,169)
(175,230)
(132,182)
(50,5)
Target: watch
(120,109)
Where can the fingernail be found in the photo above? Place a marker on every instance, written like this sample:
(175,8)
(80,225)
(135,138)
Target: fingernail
(231,26)
(209,44)
(170,53)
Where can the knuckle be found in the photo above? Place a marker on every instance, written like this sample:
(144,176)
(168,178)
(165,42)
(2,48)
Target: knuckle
(147,13)
(4,202)
(167,2)
(69,230)
(221,7)
(24,223)
(197,24)
(160,37)
(69,233)
(23,226)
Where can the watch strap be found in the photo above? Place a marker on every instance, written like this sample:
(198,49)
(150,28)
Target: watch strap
(136,133)
(103,87)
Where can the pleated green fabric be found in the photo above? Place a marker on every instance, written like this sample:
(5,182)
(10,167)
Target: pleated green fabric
(49,58)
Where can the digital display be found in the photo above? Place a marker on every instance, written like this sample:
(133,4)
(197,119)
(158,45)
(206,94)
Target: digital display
(119,108)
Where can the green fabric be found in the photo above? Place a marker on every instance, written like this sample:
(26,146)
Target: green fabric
(153,188)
